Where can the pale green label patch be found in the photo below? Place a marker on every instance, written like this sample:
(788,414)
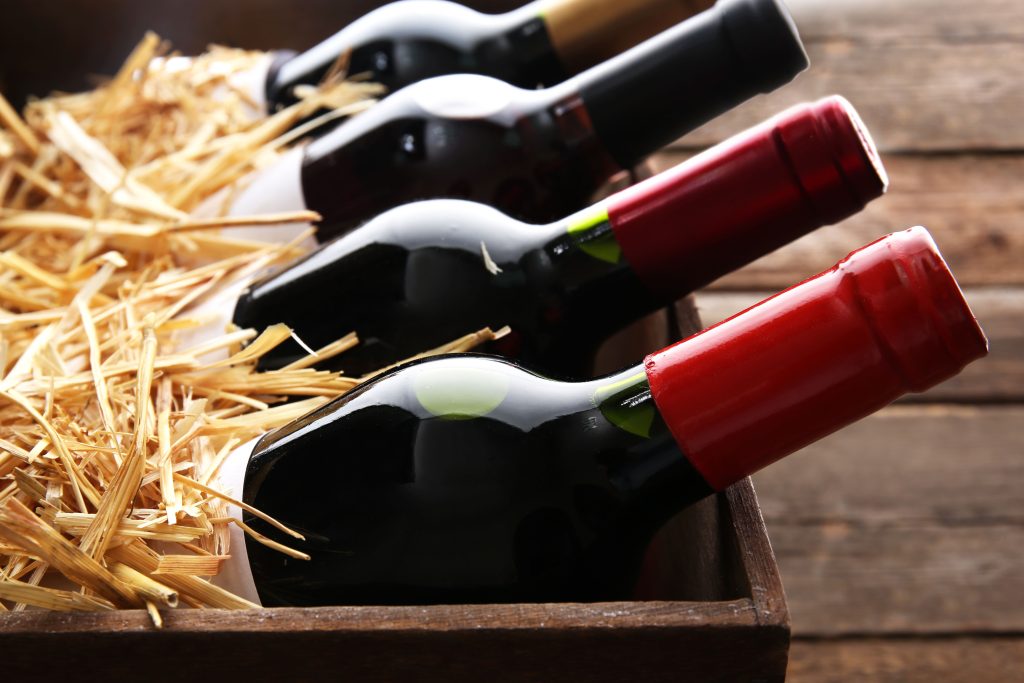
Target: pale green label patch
(460,393)
(635,420)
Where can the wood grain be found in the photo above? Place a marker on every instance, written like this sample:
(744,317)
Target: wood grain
(997,378)
(458,643)
(907,522)
(931,75)
(943,464)
(904,577)
(427,619)
(945,660)
(972,204)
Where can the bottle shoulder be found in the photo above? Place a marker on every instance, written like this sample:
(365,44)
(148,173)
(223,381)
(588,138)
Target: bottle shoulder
(451,224)
(454,387)
(458,387)
(436,20)
(433,20)
(456,99)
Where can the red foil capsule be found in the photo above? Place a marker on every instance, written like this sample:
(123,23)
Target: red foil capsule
(812,165)
(887,320)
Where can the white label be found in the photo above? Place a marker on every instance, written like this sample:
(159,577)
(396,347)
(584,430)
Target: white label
(253,83)
(275,189)
(213,314)
(235,573)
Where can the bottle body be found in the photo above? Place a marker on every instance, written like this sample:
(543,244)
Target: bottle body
(539,155)
(538,45)
(469,480)
(425,273)
(534,155)
(409,41)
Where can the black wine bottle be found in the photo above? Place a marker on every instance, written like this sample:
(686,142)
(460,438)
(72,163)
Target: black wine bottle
(538,45)
(425,273)
(466,479)
(537,155)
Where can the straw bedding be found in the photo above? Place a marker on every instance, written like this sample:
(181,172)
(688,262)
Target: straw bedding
(113,428)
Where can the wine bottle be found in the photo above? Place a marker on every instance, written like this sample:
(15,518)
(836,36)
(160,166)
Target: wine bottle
(537,155)
(540,44)
(466,479)
(428,272)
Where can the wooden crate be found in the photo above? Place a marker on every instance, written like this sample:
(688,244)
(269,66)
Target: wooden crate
(733,626)
(713,610)
(712,606)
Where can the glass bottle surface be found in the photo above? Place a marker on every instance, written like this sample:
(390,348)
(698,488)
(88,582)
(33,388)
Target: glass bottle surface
(429,272)
(532,154)
(468,480)
(538,45)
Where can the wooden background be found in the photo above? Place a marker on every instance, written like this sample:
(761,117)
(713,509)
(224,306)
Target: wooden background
(901,539)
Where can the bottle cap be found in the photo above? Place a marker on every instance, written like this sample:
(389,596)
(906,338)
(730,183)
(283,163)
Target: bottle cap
(887,320)
(812,165)
(682,78)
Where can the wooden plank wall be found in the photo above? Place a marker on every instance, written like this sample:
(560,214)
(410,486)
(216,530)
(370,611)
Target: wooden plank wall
(901,540)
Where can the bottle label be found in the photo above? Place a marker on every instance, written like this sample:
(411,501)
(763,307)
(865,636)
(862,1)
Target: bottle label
(275,189)
(235,573)
(593,234)
(212,315)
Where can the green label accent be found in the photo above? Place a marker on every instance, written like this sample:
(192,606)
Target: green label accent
(633,419)
(587,220)
(591,239)
(460,393)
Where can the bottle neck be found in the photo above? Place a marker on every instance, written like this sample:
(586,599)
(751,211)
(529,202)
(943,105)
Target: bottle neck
(656,92)
(518,50)
(584,33)
(587,236)
(682,78)
(641,457)
(624,400)
(598,287)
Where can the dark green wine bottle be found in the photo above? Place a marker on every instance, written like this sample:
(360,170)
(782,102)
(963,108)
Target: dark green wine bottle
(539,44)
(537,155)
(467,479)
(423,274)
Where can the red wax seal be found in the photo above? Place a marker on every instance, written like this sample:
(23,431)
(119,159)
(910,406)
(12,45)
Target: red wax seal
(887,320)
(810,166)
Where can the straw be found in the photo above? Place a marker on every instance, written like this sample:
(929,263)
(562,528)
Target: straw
(113,426)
